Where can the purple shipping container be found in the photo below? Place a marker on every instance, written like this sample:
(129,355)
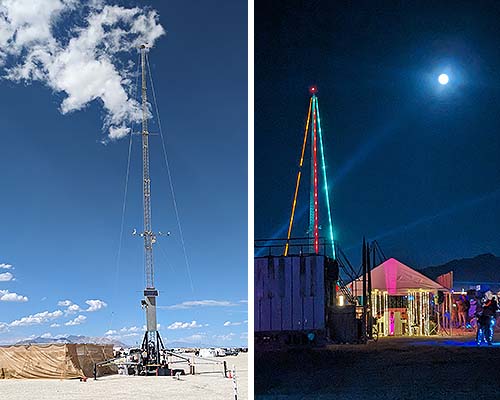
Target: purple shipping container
(291,293)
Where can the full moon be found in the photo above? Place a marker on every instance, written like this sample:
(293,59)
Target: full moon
(443,79)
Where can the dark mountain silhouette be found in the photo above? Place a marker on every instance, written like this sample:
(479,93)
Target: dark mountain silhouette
(482,268)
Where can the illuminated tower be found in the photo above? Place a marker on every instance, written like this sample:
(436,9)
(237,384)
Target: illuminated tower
(317,157)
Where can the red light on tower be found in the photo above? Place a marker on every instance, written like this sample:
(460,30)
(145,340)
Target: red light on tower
(313,90)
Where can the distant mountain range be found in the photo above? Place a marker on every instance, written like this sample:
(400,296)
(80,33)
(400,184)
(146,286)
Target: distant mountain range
(105,340)
(74,339)
(482,268)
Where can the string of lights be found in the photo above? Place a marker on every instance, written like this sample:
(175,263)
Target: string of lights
(323,165)
(315,180)
(294,204)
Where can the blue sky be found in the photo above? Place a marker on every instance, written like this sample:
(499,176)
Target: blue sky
(63,175)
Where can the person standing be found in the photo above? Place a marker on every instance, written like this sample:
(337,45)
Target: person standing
(391,323)
(454,314)
(485,317)
(463,311)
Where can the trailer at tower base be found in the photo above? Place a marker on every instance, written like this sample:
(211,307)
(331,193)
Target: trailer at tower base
(296,302)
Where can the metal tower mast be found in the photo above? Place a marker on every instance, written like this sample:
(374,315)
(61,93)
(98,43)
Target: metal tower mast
(317,158)
(152,342)
(146,181)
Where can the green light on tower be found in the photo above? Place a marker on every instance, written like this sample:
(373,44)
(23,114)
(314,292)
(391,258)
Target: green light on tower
(323,167)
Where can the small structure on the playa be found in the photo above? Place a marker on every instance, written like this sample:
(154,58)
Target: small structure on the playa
(293,298)
(404,301)
(53,361)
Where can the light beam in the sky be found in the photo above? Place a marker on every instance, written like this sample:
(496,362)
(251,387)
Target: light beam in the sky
(443,79)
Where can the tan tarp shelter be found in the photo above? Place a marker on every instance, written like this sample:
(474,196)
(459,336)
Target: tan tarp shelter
(53,361)
(396,278)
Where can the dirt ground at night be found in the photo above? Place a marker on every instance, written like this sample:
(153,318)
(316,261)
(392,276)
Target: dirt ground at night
(392,368)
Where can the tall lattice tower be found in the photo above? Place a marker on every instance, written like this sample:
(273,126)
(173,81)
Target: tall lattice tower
(152,343)
(313,130)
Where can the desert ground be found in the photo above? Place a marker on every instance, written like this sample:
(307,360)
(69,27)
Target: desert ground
(208,384)
(392,368)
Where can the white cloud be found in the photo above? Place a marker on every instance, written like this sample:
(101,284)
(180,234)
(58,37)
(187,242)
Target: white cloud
(229,323)
(77,321)
(184,325)
(243,301)
(199,303)
(137,329)
(30,21)
(95,305)
(73,309)
(126,332)
(118,132)
(6,276)
(54,325)
(133,329)
(196,338)
(5,295)
(133,334)
(225,338)
(37,319)
(46,335)
(83,62)
(158,327)
(4,327)
(5,266)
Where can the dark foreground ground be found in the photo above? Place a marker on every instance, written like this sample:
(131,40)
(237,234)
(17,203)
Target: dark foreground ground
(392,368)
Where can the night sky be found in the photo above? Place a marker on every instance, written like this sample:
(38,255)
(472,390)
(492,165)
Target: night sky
(410,162)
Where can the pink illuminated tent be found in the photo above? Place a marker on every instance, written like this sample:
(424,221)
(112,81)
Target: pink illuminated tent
(396,279)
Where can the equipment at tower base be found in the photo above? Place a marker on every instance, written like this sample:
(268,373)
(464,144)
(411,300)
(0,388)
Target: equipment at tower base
(293,298)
